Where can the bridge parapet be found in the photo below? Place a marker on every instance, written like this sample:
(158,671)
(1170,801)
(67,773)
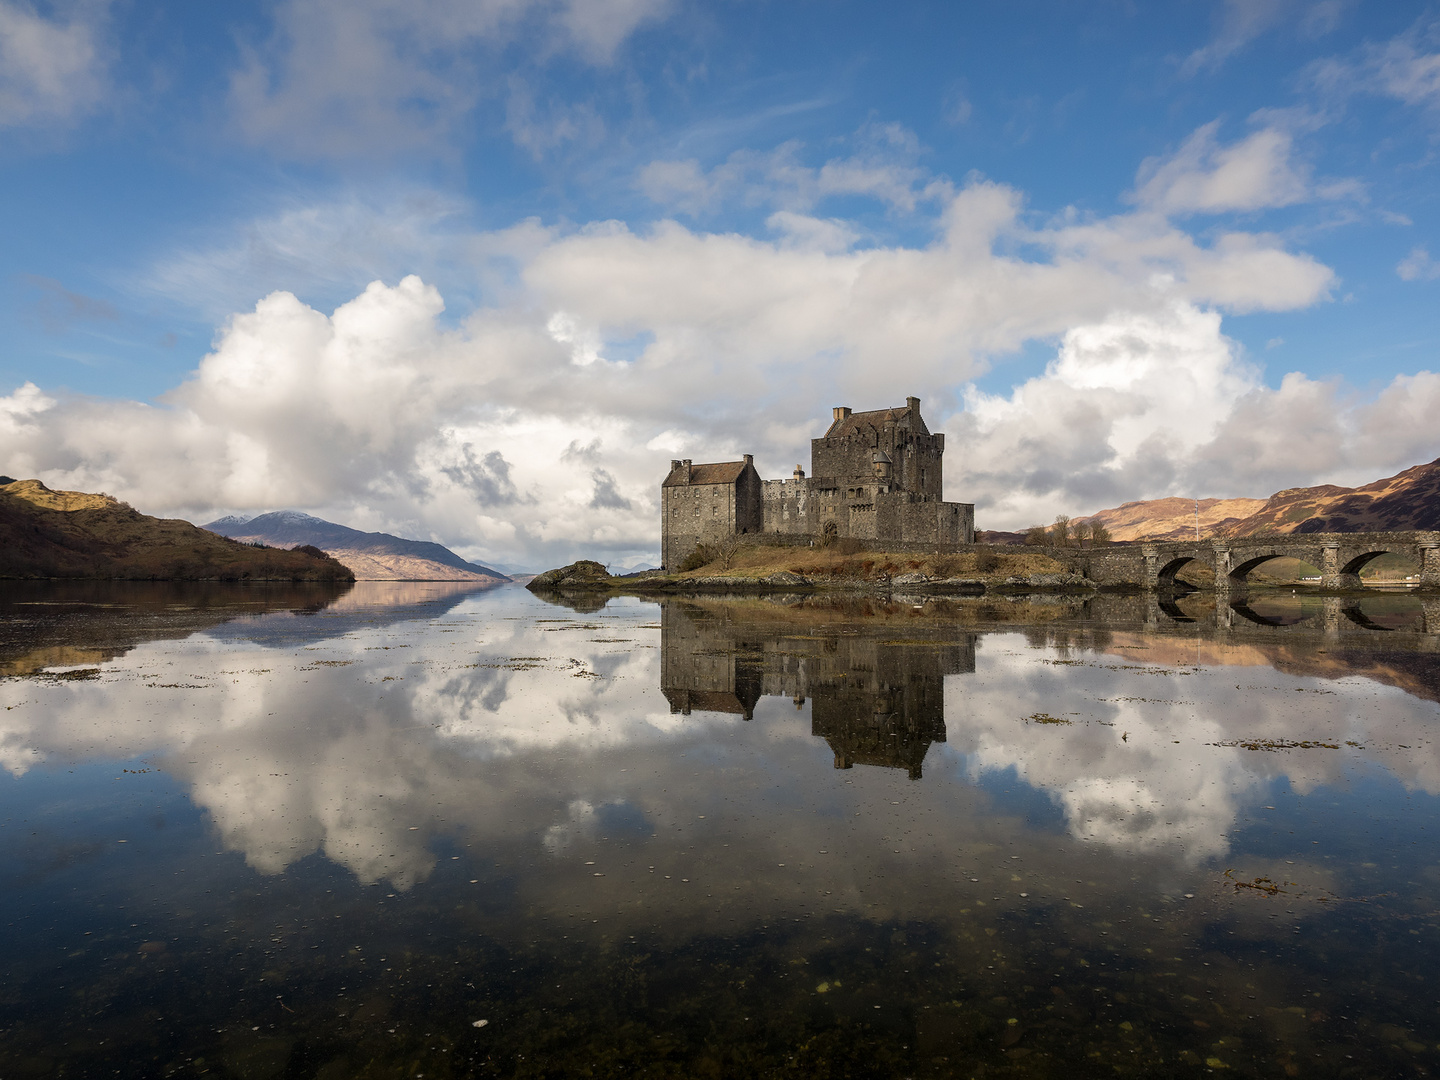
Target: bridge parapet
(1339,556)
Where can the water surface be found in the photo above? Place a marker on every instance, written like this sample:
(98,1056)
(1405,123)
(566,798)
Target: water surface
(279,833)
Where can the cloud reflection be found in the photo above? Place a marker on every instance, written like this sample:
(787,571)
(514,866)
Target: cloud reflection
(502,721)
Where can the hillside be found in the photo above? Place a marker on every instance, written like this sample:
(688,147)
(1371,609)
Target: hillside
(372,556)
(72,534)
(1407,500)
(1173,519)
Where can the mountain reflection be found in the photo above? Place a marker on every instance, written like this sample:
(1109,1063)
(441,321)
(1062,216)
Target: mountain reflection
(875,698)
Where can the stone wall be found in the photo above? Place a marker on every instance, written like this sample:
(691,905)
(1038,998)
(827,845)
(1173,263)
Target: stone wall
(694,514)
(804,507)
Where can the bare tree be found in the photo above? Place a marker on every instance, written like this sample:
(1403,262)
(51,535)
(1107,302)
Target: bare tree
(1060,531)
(1036,536)
(1081,531)
(726,548)
(1099,534)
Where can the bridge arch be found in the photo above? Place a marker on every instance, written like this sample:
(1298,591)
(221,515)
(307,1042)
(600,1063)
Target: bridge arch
(1240,572)
(1359,562)
(1165,576)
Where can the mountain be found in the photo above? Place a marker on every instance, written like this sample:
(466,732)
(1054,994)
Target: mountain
(74,534)
(1173,519)
(372,556)
(1407,500)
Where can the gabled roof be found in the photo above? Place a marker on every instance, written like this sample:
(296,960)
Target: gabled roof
(723,472)
(861,423)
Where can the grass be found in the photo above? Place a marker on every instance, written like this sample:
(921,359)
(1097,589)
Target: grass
(822,564)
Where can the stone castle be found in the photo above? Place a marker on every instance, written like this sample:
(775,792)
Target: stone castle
(876,477)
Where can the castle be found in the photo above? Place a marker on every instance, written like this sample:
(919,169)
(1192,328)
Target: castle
(876,477)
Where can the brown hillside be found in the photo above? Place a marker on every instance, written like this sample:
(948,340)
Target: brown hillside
(71,534)
(1173,519)
(1408,500)
(388,566)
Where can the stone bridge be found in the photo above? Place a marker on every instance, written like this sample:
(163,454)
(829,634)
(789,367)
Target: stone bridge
(1339,556)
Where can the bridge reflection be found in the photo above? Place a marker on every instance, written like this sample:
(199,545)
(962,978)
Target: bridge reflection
(876,688)
(1380,613)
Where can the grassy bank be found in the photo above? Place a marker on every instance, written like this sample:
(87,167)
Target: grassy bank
(835,564)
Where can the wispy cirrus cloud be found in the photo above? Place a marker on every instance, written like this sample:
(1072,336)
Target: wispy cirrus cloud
(337,78)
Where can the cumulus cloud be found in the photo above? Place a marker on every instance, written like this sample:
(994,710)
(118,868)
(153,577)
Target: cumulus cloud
(340,77)
(638,345)
(1162,403)
(52,69)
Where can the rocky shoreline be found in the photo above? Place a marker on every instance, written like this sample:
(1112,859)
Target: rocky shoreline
(587,576)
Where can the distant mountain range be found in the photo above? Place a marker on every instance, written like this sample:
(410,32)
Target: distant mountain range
(75,534)
(1173,519)
(1407,500)
(373,556)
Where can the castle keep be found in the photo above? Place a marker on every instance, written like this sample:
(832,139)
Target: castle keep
(876,477)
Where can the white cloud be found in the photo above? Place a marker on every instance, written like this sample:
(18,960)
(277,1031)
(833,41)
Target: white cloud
(1204,176)
(1405,68)
(1148,405)
(52,70)
(1418,266)
(339,77)
(384,414)
(331,247)
(1408,67)
(1241,22)
(884,166)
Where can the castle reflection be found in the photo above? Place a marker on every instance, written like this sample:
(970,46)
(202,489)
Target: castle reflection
(876,693)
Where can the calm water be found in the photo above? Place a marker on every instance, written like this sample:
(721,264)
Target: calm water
(295,833)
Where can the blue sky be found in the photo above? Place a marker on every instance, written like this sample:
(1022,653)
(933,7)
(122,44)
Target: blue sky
(1122,250)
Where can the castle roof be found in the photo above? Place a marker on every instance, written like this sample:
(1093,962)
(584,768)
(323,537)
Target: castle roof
(863,423)
(723,472)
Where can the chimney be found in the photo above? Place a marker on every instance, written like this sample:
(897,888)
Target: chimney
(686,466)
(750,459)
(799,473)
(841,412)
(913,404)
(674,464)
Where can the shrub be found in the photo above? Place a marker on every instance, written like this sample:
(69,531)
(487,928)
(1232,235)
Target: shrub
(987,562)
(849,546)
(701,556)
(1036,536)
(947,565)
